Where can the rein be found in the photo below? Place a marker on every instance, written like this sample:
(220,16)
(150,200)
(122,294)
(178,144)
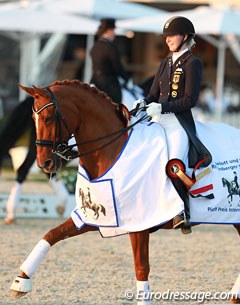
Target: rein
(60,148)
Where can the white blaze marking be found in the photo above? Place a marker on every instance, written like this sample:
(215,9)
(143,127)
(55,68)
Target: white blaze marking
(36,121)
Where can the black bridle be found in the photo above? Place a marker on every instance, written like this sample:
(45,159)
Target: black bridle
(61,147)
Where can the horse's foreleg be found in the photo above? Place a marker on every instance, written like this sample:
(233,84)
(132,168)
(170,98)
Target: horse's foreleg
(12,202)
(22,283)
(22,172)
(236,288)
(61,192)
(140,247)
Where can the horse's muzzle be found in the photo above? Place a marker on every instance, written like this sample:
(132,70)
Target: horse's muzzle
(51,165)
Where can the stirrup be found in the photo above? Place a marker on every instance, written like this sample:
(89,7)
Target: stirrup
(178,221)
(21,284)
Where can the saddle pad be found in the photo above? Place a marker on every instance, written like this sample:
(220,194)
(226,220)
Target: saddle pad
(223,141)
(142,195)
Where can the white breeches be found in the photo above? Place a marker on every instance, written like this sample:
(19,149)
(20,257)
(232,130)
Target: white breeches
(176,137)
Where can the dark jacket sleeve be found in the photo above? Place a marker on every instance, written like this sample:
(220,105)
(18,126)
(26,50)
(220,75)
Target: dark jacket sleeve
(116,63)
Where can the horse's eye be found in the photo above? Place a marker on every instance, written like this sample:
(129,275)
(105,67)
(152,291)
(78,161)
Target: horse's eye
(48,119)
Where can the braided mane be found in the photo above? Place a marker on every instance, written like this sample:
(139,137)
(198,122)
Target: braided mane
(85,86)
(94,90)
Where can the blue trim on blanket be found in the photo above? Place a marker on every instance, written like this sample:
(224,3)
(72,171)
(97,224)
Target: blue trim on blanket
(92,224)
(119,156)
(120,234)
(79,228)
(114,203)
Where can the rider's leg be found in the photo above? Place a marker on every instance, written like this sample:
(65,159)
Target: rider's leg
(182,221)
(178,147)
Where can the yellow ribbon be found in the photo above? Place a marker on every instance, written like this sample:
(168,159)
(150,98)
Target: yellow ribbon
(185,178)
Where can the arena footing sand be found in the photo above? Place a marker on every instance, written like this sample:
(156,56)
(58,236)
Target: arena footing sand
(90,270)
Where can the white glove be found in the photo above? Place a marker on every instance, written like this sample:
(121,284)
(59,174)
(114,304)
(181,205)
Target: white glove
(130,84)
(139,103)
(154,109)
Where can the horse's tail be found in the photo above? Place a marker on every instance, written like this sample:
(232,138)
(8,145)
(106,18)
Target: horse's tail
(103,210)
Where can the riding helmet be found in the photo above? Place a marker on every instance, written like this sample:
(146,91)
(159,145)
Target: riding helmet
(106,23)
(178,25)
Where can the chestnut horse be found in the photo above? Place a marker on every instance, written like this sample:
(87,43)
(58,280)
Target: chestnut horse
(67,108)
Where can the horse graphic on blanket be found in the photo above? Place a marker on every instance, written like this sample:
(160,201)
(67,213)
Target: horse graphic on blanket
(88,204)
(233,188)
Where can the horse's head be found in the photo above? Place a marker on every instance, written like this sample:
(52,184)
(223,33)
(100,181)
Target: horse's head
(67,108)
(225,182)
(52,131)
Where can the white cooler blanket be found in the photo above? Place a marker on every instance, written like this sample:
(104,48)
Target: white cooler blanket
(223,142)
(136,194)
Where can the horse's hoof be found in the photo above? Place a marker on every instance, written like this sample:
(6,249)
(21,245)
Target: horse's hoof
(235,301)
(60,210)
(18,294)
(9,221)
(21,286)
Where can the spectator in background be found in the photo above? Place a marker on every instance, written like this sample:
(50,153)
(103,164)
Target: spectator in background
(204,104)
(106,63)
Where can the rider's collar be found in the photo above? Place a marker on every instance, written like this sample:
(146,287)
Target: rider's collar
(176,55)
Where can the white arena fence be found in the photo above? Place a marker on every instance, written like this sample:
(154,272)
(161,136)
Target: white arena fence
(37,206)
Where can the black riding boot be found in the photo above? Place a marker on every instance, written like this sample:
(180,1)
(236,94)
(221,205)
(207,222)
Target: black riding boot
(182,220)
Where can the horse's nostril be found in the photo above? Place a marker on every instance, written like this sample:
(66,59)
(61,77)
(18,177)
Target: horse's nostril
(47,164)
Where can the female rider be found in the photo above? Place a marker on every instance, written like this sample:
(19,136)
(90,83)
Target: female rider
(174,91)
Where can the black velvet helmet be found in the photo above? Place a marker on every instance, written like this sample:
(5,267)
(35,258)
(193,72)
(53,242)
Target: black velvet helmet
(106,23)
(178,25)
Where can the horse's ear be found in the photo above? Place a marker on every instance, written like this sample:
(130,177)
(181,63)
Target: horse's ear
(34,91)
(42,92)
(29,90)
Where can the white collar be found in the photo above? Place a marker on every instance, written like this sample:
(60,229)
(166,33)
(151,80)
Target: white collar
(176,55)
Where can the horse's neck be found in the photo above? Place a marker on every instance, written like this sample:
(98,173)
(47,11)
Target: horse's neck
(228,184)
(99,161)
(101,122)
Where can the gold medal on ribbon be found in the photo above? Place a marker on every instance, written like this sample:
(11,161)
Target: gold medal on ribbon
(176,78)
(174,93)
(175,86)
